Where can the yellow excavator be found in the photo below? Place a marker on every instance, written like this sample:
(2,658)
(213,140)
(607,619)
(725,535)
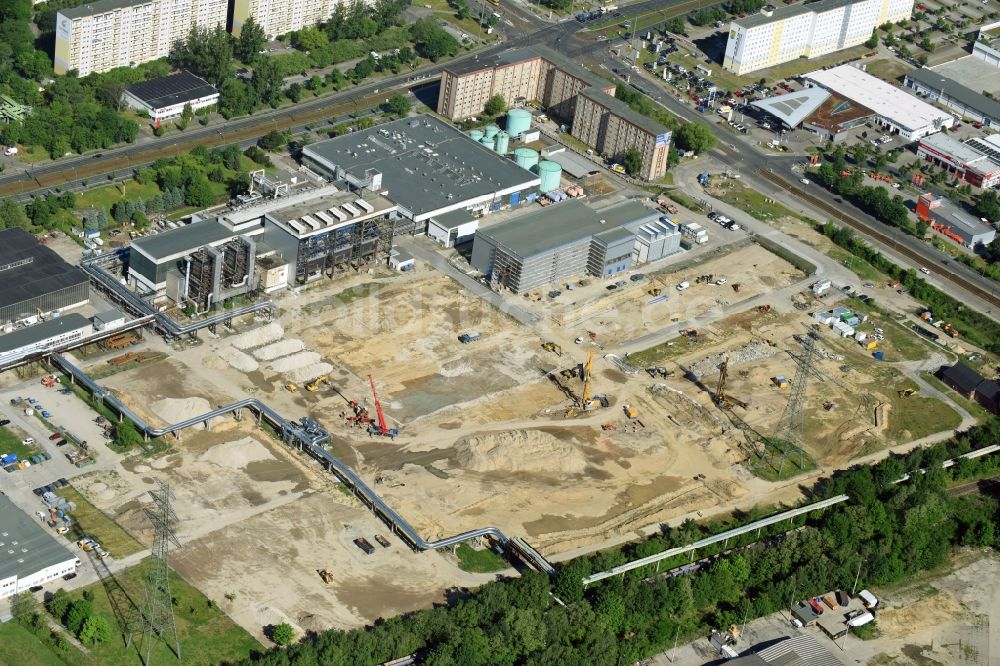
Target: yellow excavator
(907,392)
(552,347)
(315,384)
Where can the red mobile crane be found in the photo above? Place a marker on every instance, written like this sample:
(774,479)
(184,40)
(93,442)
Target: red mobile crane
(381,428)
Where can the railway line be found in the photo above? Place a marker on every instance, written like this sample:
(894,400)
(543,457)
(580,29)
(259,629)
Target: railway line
(874,234)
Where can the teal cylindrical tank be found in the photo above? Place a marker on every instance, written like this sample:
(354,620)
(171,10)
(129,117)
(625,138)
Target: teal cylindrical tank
(518,121)
(489,142)
(526,157)
(503,142)
(476,134)
(550,174)
(492,130)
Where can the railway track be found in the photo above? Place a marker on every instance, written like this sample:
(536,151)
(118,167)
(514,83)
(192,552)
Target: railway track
(132,157)
(875,234)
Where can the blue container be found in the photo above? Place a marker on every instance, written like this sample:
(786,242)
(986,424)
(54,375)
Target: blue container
(879,356)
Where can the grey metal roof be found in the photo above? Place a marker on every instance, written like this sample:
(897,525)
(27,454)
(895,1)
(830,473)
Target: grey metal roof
(558,225)
(183,239)
(955,90)
(801,650)
(573,164)
(626,212)
(795,107)
(620,108)
(29,269)
(612,236)
(109,315)
(23,337)
(34,548)
(788,11)
(100,7)
(166,91)
(426,164)
(454,219)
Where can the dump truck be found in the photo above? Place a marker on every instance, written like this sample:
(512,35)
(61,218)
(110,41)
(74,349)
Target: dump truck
(631,411)
(466,338)
(382,541)
(365,545)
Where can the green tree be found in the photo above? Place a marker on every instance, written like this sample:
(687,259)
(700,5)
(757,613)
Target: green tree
(632,161)
(283,634)
(77,615)
(294,92)
(24,608)
(398,106)
(677,26)
(126,435)
(198,192)
(236,98)
(59,603)
(872,41)
(695,136)
(207,53)
(96,629)
(267,81)
(272,141)
(433,41)
(495,105)
(250,42)
(12,215)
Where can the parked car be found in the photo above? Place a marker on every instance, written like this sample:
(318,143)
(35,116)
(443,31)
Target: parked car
(54,436)
(45,414)
(27,441)
(4,422)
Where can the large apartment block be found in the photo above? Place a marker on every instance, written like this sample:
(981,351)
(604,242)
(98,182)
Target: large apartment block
(777,35)
(102,35)
(533,73)
(609,126)
(279,17)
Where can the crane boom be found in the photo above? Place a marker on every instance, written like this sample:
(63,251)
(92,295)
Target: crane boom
(586,380)
(720,392)
(378,407)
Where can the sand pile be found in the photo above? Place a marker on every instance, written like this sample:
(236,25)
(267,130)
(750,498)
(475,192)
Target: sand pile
(308,372)
(519,451)
(258,337)
(279,348)
(173,410)
(237,454)
(295,361)
(239,360)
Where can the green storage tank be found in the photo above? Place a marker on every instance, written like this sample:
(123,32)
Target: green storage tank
(518,121)
(492,131)
(476,134)
(503,143)
(550,174)
(526,158)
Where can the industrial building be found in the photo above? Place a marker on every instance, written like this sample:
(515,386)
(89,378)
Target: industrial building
(166,96)
(280,17)
(45,335)
(779,34)
(454,228)
(974,161)
(38,281)
(966,102)
(895,110)
(426,167)
(611,127)
(570,239)
(987,46)
(29,553)
(818,110)
(952,221)
(269,245)
(971,385)
(105,34)
(567,91)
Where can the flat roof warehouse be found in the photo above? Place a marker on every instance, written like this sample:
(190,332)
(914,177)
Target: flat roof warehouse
(427,167)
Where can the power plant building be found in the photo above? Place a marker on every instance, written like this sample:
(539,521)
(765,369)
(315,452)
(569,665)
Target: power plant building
(37,282)
(102,35)
(566,91)
(570,239)
(780,34)
(425,167)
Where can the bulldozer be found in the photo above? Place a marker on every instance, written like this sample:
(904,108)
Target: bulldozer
(291,387)
(326,576)
(552,347)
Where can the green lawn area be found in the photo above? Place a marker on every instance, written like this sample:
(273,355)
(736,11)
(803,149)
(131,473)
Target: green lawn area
(31,154)
(754,203)
(683,200)
(865,271)
(776,469)
(888,69)
(974,408)
(92,522)
(479,561)
(915,417)
(106,196)
(22,648)
(10,442)
(206,634)
(662,352)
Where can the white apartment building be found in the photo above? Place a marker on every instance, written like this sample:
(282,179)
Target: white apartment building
(102,35)
(279,17)
(777,35)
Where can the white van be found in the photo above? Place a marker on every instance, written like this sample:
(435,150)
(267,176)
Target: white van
(868,599)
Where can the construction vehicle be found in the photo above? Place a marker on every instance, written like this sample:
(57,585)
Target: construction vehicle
(466,338)
(364,545)
(586,401)
(655,291)
(764,308)
(630,411)
(292,388)
(736,287)
(382,541)
(360,414)
(326,576)
(609,426)
(907,392)
(552,347)
(315,384)
(380,428)
(722,398)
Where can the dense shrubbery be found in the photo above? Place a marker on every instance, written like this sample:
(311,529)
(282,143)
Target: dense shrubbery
(891,531)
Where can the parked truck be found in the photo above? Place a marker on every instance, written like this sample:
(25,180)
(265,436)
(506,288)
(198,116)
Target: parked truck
(466,338)
(8,459)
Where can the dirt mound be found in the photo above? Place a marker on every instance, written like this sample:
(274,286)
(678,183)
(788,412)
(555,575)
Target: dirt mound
(310,372)
(173,410)
(239,360)
(519,451)
(237,454)
(258,336)
(279,348)
(295,361)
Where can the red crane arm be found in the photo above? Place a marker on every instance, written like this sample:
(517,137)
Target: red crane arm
(378,406)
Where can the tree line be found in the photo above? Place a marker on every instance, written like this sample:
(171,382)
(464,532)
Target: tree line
(885,533)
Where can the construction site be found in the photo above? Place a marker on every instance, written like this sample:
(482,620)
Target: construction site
(622,412)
